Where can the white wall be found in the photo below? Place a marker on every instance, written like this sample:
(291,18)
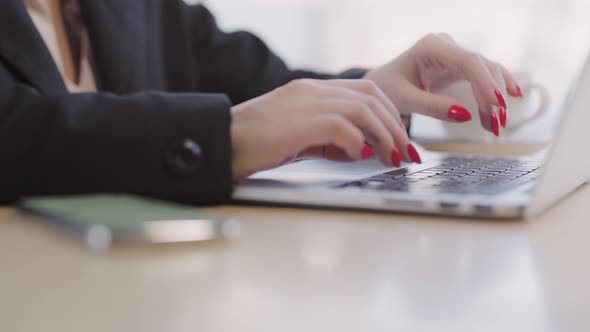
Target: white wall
(334,34)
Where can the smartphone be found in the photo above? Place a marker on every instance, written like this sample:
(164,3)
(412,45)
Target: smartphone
(104,219)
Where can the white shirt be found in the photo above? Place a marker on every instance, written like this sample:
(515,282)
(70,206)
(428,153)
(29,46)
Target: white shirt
(47,17)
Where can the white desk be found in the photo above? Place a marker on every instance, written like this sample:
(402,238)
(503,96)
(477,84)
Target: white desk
(304,270)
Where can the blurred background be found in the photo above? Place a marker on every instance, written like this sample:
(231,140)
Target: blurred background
(548,38)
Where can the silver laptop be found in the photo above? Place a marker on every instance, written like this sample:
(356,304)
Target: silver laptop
(445,184)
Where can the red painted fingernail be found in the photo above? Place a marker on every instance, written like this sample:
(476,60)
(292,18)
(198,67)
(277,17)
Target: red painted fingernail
(414,154)
(459,114)
(367,152)
(503,117)
(396,157)
(500,97)
(519,91)
(495,125)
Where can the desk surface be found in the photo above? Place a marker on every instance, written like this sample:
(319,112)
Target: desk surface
(305,270)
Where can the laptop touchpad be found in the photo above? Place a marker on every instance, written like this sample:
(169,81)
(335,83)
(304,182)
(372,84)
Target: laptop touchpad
(319,170)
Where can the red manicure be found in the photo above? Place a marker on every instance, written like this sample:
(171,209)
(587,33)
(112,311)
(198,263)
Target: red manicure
(396,157)
(414,154)
(367,152)
(495,125)
(459,114)
(503,117)
(500,97)
(519,91)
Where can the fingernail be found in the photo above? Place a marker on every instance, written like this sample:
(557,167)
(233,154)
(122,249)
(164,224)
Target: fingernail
(403,126)
(396,157)
(503,117)
(367,152)
(495,124)
(500,97)
(459,114)
(519,91)
(414,154)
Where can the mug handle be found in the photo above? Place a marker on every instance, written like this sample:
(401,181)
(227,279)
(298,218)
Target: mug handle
(541,110)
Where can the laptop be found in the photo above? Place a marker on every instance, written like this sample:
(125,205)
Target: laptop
(481,186)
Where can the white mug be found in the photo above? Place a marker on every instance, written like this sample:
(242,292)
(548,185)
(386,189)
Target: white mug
(520,111)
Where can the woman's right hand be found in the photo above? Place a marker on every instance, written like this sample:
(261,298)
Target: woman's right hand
(324,118)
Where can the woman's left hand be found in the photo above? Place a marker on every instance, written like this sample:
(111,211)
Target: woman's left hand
(434,62)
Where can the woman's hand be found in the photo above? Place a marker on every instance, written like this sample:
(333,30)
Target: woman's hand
(335,119)
(330,119)
(433,63)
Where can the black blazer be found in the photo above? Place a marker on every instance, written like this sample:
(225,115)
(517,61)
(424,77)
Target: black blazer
(159,125)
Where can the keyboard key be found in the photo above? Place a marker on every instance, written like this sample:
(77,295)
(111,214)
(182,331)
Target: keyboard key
(458,175)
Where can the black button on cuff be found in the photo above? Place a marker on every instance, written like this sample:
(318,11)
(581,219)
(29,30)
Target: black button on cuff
(183,158)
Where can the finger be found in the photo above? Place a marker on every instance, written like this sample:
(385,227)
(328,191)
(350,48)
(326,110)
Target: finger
(496,72)
(329,152)
(487,114)
(335,153)
(504,78)
(381,129)
(367,87)
(490,119)
(437,106)
(491,115)
(512,85)
(334,130)
(362,115)
(386,112)
(445,55)
(487,93)
(499,77)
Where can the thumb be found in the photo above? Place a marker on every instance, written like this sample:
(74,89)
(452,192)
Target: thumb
(437,106)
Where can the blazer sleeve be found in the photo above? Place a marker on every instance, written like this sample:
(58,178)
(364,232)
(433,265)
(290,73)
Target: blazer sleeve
(239,64)
(168,145)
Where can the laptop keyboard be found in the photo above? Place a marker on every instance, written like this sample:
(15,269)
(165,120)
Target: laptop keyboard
(458,175)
